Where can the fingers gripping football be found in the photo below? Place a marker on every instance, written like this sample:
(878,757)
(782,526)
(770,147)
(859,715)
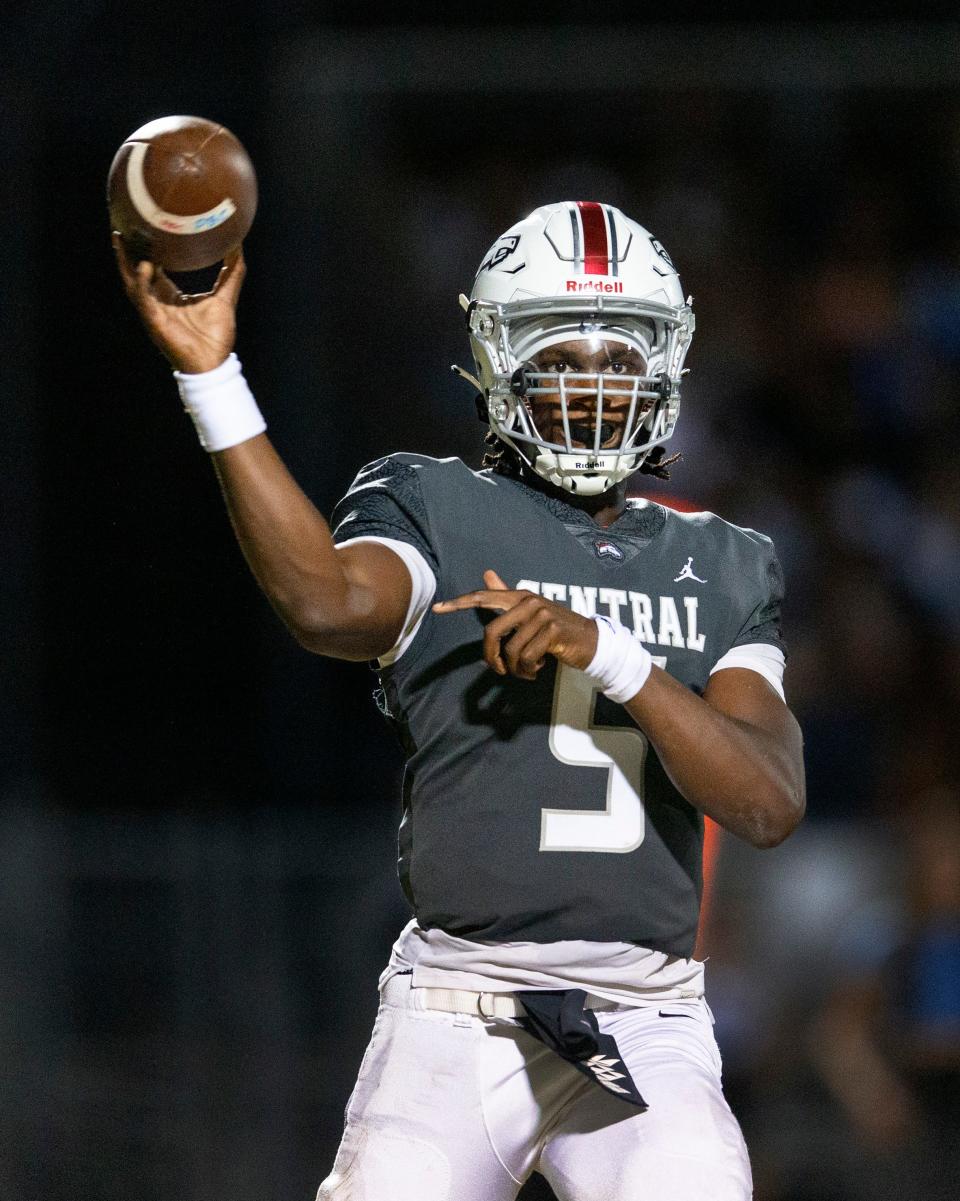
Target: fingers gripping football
(527,630)
(195,332)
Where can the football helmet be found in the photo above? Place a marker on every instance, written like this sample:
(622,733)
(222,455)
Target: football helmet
(570,271)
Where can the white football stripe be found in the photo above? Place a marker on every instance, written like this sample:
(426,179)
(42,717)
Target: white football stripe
(171,223)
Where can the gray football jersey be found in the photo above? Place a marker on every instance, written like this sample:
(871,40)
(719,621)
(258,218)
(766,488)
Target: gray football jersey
(537,811)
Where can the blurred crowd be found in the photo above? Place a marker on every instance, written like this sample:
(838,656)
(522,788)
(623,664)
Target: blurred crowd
(846,1064)
(828,415)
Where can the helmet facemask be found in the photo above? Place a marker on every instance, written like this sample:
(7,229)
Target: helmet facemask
(581,430)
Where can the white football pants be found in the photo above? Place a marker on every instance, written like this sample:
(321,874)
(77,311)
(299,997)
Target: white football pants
(451,1107)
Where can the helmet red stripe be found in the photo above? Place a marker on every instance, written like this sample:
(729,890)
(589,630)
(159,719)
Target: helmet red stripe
(596,250)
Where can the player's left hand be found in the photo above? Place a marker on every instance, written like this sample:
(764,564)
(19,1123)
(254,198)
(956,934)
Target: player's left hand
(528,629)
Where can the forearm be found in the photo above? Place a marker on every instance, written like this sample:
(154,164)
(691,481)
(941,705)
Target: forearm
(285,540)
(348,604)
(739,774)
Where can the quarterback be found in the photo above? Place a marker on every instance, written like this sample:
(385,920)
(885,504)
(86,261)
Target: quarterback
(576,678)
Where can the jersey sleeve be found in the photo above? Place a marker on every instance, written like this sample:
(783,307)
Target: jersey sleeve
(763,621)
(385,502)
(759,644)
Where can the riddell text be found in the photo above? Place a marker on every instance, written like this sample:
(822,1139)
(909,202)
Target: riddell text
(594,285)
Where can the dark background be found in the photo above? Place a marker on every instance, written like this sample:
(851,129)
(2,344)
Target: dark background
(197,819)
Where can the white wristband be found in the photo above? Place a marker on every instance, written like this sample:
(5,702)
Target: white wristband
(621,665)
(221,405)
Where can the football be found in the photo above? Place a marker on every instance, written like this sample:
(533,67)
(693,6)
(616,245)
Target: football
(182,192)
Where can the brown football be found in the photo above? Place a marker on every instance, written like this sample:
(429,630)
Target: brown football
(182,191)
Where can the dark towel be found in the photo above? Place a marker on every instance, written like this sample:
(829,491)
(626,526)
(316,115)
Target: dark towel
(557,1018)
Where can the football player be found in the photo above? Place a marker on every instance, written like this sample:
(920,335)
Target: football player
(577,678)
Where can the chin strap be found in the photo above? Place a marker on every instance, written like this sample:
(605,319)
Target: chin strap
(480,400)
(471,379)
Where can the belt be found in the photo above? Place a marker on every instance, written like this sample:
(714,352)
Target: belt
(488,1004)
(562,1019)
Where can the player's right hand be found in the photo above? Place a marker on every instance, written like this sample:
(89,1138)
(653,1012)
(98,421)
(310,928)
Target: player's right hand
(528,629)
(194,333)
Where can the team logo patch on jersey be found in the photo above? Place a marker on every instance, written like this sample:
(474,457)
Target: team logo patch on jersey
(608,550)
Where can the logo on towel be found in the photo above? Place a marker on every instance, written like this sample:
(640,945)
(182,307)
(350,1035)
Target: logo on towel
(603,1068)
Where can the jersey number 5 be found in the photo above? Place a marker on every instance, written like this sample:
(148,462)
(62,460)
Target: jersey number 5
(620,750)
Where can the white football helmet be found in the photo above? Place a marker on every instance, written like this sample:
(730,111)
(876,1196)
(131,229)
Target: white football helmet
(578,270)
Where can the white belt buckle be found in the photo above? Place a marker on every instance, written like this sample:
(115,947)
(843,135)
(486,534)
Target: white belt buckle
(491,998)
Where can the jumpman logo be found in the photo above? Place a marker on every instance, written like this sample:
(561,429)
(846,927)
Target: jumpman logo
(686,573)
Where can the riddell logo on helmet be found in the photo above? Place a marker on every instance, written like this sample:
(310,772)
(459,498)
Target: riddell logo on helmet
(594,285)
